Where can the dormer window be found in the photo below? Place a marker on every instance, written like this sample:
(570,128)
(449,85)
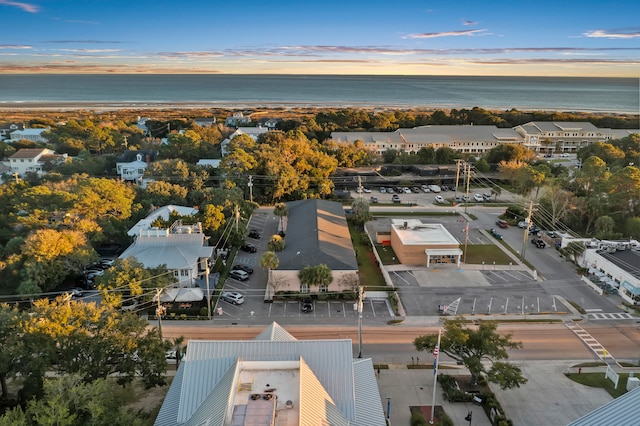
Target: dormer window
(139,157)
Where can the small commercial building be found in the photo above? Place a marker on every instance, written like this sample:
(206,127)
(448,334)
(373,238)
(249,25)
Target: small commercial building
(419,243)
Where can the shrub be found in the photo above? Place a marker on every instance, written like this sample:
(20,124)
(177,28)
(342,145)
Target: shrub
(445,420)
(417,419)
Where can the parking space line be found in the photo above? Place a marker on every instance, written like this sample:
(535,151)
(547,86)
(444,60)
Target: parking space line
(490,302)
(399,276)
(511,275)
(473,309)
(506,305)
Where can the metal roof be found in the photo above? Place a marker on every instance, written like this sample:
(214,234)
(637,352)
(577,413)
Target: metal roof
(332,383)
(622,411)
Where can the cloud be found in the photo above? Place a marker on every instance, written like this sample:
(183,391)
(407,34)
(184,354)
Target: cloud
(14,46)
(31,8)
(85,41)
(468,23)
(90,50)
(633,33)
(470,33)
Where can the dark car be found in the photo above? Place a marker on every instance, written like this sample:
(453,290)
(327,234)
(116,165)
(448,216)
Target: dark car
(306,305)
(246,268)
(538,243)
(254,234)
(249,248)
(502,223)
(533,230)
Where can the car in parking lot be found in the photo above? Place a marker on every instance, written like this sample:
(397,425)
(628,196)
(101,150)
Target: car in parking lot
(523,224)
(534,230)
(374,200)
(538,242)
(395,198)
(478,198)
(240,267)
(439,199)
(249,248)
(434,188)
(254,233)
(306,305)
(238,274)
(502,223)
(383,190)
(366,190)
(232,297)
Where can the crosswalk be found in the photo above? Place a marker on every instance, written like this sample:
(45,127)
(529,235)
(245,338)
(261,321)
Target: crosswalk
(610,316)
(589,340)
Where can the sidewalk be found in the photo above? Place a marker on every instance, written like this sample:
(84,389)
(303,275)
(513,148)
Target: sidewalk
(549,398)
(408,388)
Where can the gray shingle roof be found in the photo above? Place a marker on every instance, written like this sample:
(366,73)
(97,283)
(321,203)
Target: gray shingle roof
(317,233)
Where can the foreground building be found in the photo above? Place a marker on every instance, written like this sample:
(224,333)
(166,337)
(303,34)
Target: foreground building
(274,379)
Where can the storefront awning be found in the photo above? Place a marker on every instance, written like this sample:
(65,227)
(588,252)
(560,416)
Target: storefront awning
(443,252)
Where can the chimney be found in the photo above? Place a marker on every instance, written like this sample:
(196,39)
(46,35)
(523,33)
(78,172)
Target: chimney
(148,159)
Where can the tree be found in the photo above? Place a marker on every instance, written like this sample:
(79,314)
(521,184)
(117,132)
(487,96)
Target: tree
(276,243)
(270,261)
(361,213)
(212,217)
(281,211)
(318,275)
(472,345)
(604,226)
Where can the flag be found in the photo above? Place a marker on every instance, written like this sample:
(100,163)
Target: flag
(435,351)
(435,360)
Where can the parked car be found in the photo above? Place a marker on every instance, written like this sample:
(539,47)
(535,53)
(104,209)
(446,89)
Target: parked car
(564,155)
(306,305)
(523,224)
(538,242)
(395,198)
(240,267)
(374,200)
(534,230)
(383,190)
(439,199)
(425,188)
(366,190)
(249,248)
(232,297)
(502,223)
(415,190)
(254,234)
(407,190)
(239,275)
(434,188)
(478,198)
(77,292)
(444,187)
(495,234)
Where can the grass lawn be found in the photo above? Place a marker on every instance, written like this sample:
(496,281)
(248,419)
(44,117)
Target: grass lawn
(387,255)
(597,380)
(487,253)
(370,273)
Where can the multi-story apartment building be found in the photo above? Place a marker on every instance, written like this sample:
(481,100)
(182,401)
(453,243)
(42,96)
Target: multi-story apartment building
(554,136)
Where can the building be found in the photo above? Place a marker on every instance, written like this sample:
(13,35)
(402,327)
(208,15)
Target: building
(620,267)
(33,160)
(417,243)
(7,128)
(182,248)
(205,122)
(316,233)
(252,132)
(213,163)
(131,165)
(561,136)
(467,139)
(163,213)
(237,119)
(622,411)
(273,379)
(34,135)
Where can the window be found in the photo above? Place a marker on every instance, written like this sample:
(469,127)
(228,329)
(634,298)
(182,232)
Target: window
(304,288)
(184,273)
(324,289)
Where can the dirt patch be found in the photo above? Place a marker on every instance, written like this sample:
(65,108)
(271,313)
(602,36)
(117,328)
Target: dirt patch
(149,400)
(425,410)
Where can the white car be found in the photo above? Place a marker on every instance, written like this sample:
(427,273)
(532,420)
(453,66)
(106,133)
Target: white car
(478,198)
(523,224)
(439,199)
(383,190)
(366,190)
(434,188)
(407,190)
(232,297)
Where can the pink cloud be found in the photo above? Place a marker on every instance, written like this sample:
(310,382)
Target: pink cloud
(31,8)
(446,34)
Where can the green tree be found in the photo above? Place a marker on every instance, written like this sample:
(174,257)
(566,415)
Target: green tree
(318,275)
(632,227)
(472,345)
(510,153)
(270,261)
(212,217)
(361,213)
(604,226)
(276,243)
(281,211)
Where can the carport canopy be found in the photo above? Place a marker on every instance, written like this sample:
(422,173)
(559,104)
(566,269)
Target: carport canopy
(443,252)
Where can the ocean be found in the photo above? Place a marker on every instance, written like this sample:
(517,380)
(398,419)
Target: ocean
(612,95)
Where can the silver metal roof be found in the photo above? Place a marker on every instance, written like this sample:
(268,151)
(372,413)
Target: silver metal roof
(622,411)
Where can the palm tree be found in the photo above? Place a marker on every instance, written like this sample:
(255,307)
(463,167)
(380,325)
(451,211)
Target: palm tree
(270,261)
(178,345)
(319,275)
(496,191)
(280,210)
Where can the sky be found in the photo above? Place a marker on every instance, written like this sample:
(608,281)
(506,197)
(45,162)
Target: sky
(367,37)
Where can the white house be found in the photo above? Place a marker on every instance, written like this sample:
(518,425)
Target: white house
(182,248)
(32,160)
(252,132)
(621,268)
(34,135)
(274,379)
(131,165)
(236,119)
(163,213)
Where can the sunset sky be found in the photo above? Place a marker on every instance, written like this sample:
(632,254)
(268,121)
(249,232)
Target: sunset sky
(463,37)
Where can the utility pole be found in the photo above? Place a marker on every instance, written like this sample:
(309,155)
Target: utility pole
(526,231)
(458,162)
(237,215)
(160,310)
(250,184)
(360,186)
(466,201)
(206,271)
(360,296)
